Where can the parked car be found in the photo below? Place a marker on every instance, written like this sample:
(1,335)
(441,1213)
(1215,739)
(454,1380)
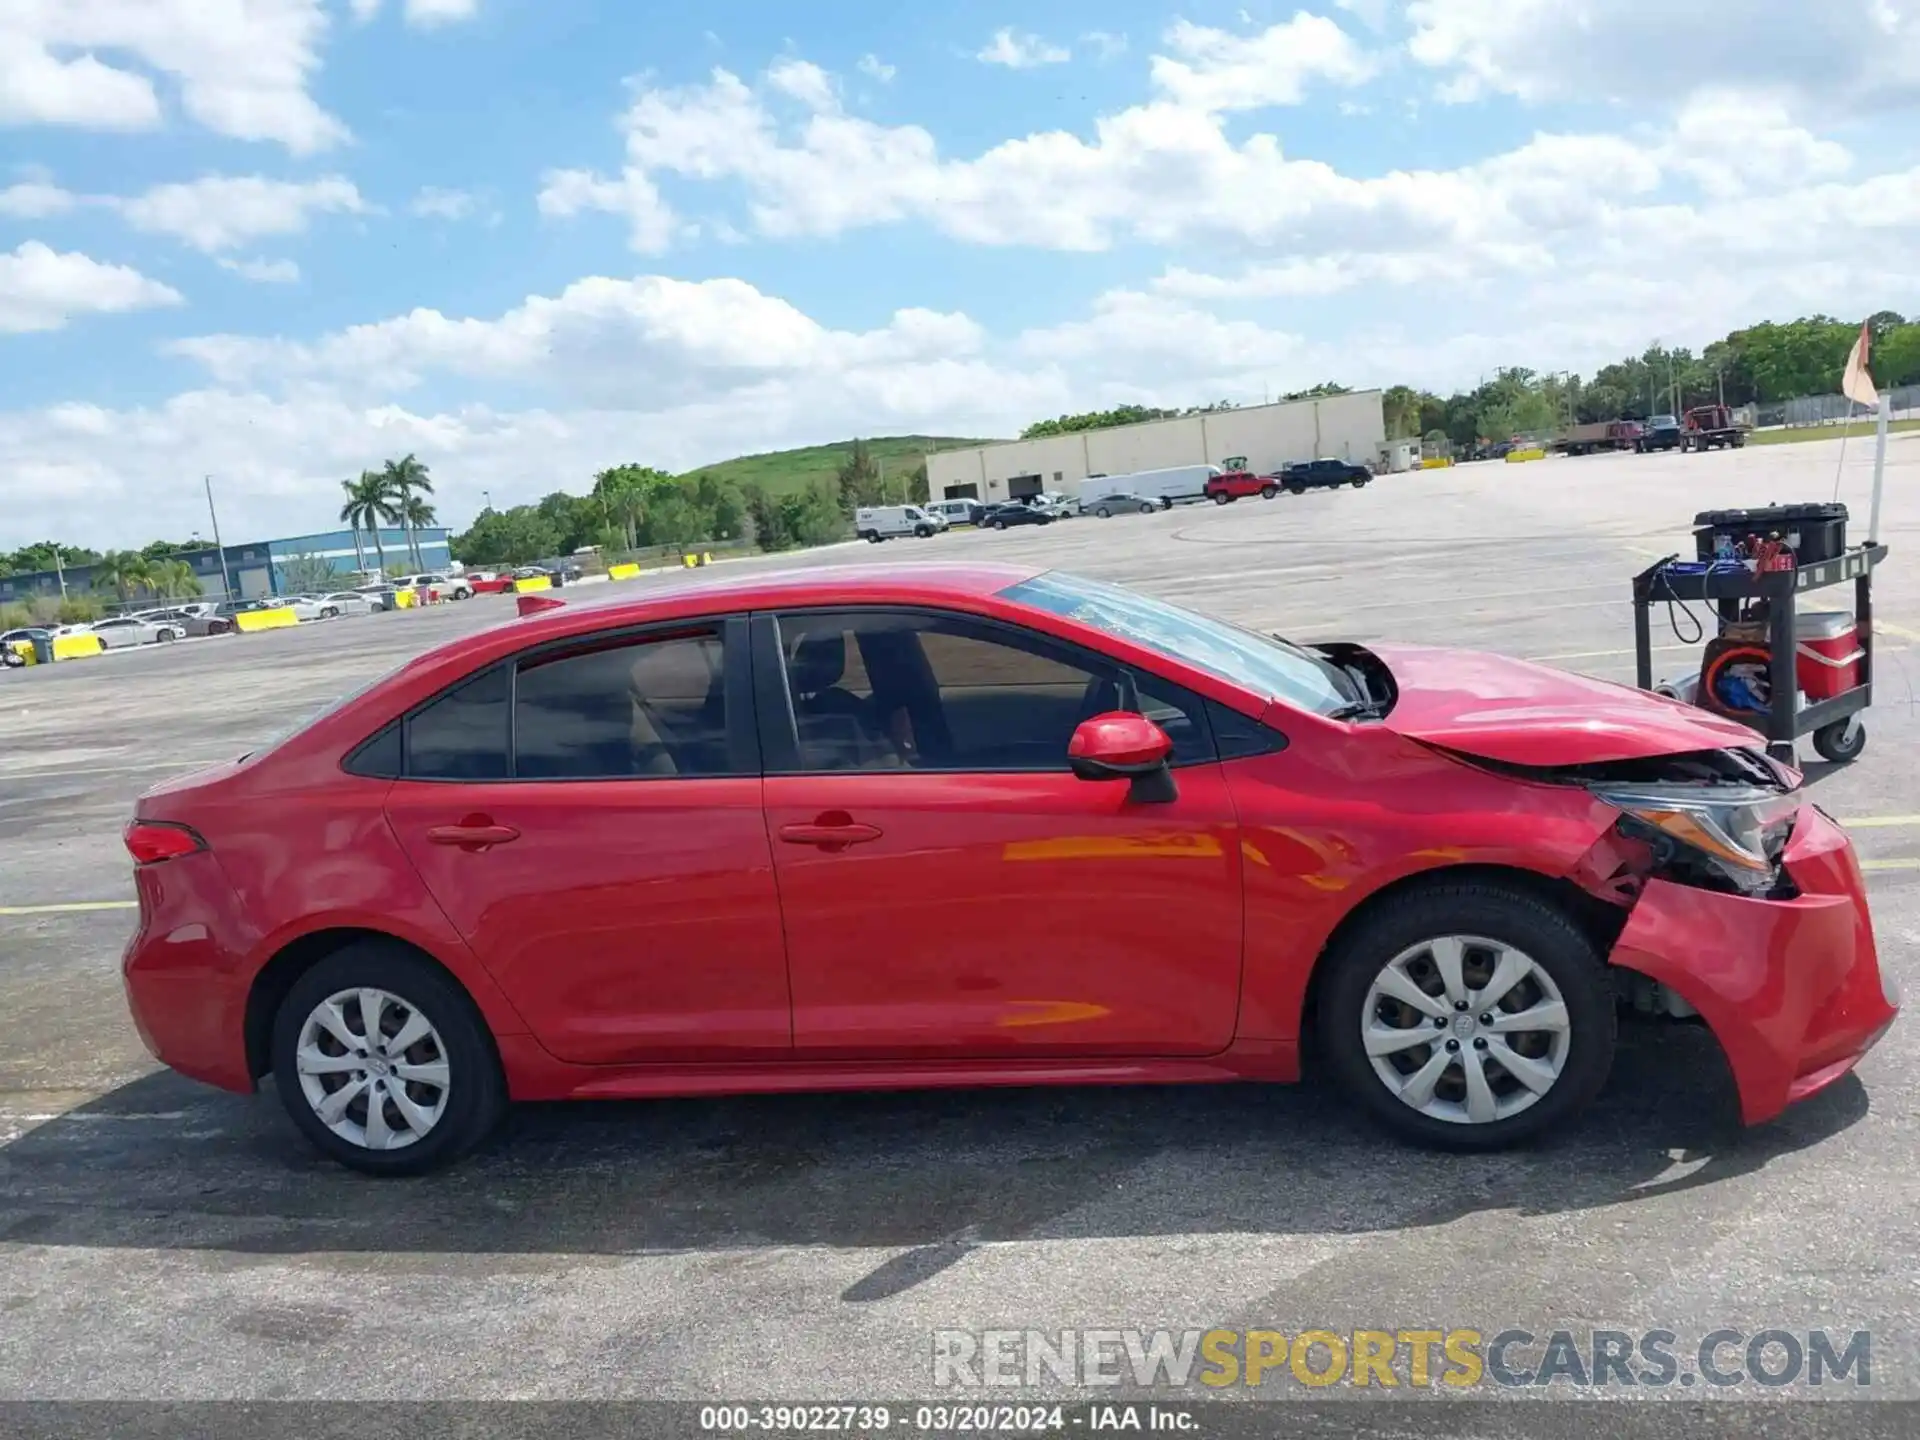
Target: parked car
(1663,432)
(875,523)
(1231,485)
(120,632)
(956,512)
(1016,512)
(10,655)
(198,619)
(1109,503)
(1203,845)
(1324,474)
(348,602)
(453,587)
(1056,503)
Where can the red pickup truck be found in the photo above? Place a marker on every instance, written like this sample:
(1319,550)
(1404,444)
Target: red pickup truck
(1231,485)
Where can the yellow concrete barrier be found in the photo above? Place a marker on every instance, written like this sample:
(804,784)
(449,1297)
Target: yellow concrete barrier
(1441,462)
(622,572)
(405,599)
(281,617)
(24,649)
(77,647)
(1516,457)
(537,582)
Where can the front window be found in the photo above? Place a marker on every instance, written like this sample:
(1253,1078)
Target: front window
(1267,666)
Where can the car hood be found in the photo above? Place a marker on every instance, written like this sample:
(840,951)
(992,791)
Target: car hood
(1520,713)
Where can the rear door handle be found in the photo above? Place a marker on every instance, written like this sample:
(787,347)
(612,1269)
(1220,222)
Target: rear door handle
(472,837)
(829,836)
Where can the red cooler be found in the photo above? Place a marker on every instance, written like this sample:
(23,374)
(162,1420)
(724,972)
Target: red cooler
(1827,653)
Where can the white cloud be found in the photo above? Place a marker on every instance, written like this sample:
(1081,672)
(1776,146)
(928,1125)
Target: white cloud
(436,203)
(1218,70)
(1838,55)
(220,212)
(1019,51)
(422,14)
(242,69)
(263,272)
(1105,44)
(804,81)
(36,200)
(42,288)
(874,68)
(652,222)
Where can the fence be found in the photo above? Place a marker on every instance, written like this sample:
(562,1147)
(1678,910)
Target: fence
(1833,409)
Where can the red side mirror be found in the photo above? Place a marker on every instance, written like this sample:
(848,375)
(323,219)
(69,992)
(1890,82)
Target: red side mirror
(1118,746)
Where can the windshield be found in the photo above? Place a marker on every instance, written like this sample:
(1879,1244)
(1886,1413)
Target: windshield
(1265,665)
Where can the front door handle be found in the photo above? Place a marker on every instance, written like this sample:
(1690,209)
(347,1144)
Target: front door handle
(832,831)
(472,836)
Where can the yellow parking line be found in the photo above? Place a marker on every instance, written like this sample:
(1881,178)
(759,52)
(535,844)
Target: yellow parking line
(1880,822)
(1893,629)
(1890,864)
(71,907)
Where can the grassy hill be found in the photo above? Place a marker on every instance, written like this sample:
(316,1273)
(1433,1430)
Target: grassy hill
(793,469)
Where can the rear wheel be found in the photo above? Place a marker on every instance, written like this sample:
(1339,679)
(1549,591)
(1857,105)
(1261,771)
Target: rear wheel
(1222,498)
(166,637)
(1468,1017)
(332,612)
(923,532)
(384,1064)
(872,537)
(1146,509)
(1102,511)
(1294,487)
(1267,492)
(998,524)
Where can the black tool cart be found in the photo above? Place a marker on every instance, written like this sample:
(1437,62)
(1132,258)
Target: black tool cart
(1807,544)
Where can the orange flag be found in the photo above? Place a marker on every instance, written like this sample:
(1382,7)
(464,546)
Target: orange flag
(1857,384)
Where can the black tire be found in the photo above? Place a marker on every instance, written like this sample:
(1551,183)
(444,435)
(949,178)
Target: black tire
(1267,492)
(166,637)
(1359,484)
(476,1093)
(1146,509)
(998,524)
(1222,498)
(1296,488)
(872,537)
(1103,512)
(1835,743)
(923,532)
(332,612)
(1495,912)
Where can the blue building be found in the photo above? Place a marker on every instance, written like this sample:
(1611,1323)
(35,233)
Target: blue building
(266,567)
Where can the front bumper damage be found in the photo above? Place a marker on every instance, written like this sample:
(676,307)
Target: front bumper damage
(1791,988)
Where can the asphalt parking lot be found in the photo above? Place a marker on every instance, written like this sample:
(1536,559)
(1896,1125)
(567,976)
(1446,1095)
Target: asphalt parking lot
(163,1240)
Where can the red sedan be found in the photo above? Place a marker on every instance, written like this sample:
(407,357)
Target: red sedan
(905,826)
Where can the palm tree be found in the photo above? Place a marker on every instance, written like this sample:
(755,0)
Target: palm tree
(173,578)
(419,514)
(406,478)
(370,502)
(124,570)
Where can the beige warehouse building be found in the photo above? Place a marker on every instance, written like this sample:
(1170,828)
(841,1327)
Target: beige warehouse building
(1349,427)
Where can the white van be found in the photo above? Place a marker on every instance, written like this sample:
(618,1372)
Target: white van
(1145,489)
(883,522)
(955,512)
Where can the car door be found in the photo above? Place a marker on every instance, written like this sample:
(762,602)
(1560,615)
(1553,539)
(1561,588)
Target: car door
(950,889)
(589,817)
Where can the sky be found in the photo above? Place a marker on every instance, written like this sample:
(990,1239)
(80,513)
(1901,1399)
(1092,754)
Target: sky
(279,241)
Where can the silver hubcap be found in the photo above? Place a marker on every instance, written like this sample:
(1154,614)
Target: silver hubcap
(373,1068)
(1465,1029)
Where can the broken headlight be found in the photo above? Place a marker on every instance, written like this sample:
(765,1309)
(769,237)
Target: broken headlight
(1716,837)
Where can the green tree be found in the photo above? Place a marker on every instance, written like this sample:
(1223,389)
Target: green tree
(406,478)
(305,574)
(371,503)
(126,571)
(175,579)
(857,482)
(1095,420)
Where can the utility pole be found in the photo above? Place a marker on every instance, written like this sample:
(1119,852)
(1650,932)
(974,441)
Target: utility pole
(226,582)
(60,572)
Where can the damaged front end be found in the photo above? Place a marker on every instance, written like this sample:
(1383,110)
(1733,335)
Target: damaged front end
(1727,895)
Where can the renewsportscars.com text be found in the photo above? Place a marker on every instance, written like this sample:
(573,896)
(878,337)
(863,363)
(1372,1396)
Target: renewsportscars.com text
(1416,1359)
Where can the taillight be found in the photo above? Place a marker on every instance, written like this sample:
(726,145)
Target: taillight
(151,841)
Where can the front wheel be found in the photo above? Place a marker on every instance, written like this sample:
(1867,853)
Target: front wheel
(1842,741)
(166,637)
(1468,1017)
(1103,512)
(1147,509)
(872,537)
(1267,492)
(383,1062)
(1222,498)
(923,532)
(1359,484)
(998,524)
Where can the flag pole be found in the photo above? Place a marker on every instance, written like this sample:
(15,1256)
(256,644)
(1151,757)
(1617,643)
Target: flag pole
(1879,467)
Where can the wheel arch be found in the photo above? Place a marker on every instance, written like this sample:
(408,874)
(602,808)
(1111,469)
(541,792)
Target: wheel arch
(274,980)
(1600,921)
